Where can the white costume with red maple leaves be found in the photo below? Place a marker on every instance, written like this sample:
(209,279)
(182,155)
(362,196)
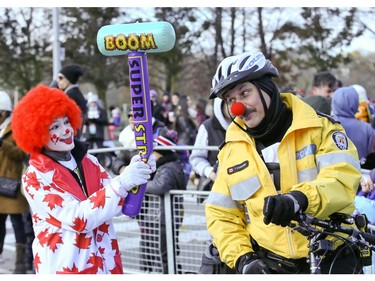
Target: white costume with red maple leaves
(73,233)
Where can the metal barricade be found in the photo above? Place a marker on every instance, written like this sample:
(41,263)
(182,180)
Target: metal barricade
(140,239)
(190,235)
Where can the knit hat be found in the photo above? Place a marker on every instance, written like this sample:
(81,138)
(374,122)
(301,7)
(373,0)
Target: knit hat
(153,93)
(72,72)
(5,102)
(91,97)
(166,138)
(36,111)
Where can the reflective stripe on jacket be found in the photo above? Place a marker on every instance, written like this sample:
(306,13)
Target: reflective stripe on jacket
(316,158)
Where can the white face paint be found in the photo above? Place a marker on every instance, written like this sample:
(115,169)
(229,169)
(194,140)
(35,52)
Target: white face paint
(61,135)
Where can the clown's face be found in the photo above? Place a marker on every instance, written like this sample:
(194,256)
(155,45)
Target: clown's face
(61,135)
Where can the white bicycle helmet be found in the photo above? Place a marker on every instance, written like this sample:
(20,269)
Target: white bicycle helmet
(236,69)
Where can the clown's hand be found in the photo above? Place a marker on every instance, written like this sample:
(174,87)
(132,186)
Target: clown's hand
(151,161)
(135,174)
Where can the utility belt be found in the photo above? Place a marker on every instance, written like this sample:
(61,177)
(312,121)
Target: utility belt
(278,264)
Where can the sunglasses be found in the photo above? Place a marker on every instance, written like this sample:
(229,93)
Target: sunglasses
(130,115)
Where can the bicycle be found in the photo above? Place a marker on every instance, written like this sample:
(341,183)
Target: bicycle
(316,231)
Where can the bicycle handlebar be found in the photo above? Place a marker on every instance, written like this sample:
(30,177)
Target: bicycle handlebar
(333,226)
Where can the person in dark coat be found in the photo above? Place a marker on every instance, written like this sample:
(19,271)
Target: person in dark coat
(67,81)
(169,175)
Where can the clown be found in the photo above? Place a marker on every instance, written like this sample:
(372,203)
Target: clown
(72,198)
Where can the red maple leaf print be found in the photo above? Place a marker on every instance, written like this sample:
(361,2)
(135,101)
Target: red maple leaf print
(73,269)
(104,228)
(37,262)
(101,250)
(82,242)
(104,175)
(114,245)
(98,199)
(52,220)
(53,240)
(96,260)
(42,237)
(79,224)
(36,218)
(53,200)
(31,180)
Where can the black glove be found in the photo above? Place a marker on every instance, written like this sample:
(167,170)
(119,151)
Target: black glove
(280,209)
(250,264)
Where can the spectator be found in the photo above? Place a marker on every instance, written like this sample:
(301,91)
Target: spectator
(115,122)
(183,124)
(11,159)
(95,120)
(175,99)
(192,108)
(365,198)
(323,86)
(72,198)
(279,158)
(67,81)
(168,176)
(166,103)
(344,106)
(365,109)
(157,107)
(200,109)
(210,133)
(127,139)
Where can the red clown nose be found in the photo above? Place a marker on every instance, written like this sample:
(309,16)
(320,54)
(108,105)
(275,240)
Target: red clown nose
(238,108)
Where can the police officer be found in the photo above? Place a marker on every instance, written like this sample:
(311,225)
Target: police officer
(279,157)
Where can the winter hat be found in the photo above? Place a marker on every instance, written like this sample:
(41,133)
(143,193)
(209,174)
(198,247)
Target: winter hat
(72,72)
(362,94)
(166,138)
(153,93)
(36,111)
(91,97)
(5,102)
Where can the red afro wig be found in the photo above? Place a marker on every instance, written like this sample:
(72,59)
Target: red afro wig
(36,111)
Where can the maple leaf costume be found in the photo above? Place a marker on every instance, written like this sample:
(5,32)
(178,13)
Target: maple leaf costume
(71,211)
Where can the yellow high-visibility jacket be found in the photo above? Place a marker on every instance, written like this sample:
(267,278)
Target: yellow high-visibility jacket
(315,157)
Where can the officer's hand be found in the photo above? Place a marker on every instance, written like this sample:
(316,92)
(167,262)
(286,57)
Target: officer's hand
(250,264)
(280,209)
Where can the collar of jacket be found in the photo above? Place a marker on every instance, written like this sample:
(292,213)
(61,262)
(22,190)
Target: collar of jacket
(79,151)
(304,116)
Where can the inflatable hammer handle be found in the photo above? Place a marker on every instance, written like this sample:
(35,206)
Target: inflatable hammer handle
(141,107)
(148,37)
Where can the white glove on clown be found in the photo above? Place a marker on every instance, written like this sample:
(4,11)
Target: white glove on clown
(136,173)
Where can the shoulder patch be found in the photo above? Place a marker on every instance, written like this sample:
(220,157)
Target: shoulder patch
(238,167)
(340,140)
(329,117)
